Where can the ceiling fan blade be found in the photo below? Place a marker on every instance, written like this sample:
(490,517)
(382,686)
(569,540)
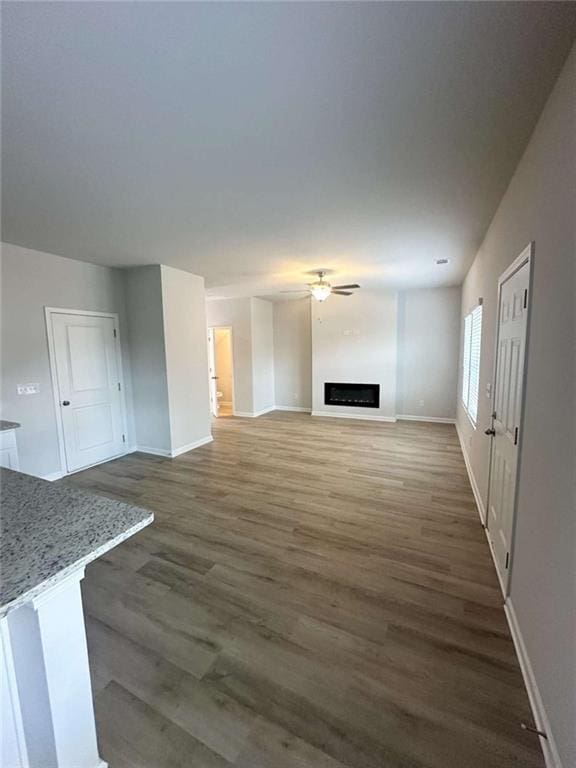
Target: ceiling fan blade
(345,287)
(343,293)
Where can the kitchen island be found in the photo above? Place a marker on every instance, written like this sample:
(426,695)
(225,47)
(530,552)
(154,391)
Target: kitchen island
(49,533)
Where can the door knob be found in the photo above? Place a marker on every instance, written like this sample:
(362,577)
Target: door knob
(490,431)
(214,377)
(65,402)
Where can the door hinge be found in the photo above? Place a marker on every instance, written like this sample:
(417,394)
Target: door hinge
(507,558)
(114,332)
(515,435)
(123,438)
(525,298)
(119,387)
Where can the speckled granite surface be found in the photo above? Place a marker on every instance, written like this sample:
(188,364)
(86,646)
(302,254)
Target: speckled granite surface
(48,531)
(4,425)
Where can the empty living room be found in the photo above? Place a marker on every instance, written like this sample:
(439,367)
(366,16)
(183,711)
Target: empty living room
(288,384)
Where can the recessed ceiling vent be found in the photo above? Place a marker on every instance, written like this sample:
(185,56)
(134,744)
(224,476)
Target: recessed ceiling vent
(442,261)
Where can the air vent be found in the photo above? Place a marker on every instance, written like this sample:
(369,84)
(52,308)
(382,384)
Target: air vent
(442,261)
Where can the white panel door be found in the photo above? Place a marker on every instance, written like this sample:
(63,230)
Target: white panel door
(510,348)
(88,388)
(212,373)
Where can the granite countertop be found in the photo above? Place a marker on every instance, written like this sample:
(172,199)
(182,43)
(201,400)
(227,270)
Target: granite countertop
(49,530)
(6,425)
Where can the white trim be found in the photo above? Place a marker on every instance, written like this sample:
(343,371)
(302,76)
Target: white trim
(358,417)
(254,414)
(233,362)
(549,748)
(152,451)
(526,257)
(48,312)
(473,483)
(190,447)
(53,476)
(481,509)
(171,454)
(433,419)
(295,408)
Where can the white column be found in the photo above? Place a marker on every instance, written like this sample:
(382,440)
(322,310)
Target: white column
(44,647)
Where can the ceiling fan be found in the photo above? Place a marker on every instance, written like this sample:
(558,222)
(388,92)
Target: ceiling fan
(320,289)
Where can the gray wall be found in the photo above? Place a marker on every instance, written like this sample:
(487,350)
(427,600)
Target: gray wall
(237,314)
(262,355)
(148,358)
(32,280)
(293,353)
(539,206)
(186,354)
(428,352)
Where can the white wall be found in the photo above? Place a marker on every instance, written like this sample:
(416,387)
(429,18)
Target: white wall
(148,358)
(262,355)
(251,321)
(539,205)
(32,280)
(237,314)
(428,352)
(354,339)
(186,355)
(293,353)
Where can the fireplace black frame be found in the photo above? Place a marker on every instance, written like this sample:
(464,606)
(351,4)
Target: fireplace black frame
(350,402)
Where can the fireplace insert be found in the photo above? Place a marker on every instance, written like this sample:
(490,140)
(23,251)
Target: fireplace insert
(354,395)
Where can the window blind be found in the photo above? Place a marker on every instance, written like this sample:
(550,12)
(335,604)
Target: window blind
(471,361)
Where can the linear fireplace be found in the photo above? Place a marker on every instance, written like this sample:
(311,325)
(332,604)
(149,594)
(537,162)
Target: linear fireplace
(355,395)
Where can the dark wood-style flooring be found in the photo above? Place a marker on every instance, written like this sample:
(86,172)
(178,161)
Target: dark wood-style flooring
(315,593)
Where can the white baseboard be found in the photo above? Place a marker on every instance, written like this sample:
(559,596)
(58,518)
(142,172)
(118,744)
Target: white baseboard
(295,408)
(357,417)
(473,483)
(433,419)
(153,451)
(191,446)
(172,454)
(254,414)
(549,748)
(52,476)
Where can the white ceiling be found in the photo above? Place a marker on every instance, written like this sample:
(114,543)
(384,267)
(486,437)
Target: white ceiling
(251,142)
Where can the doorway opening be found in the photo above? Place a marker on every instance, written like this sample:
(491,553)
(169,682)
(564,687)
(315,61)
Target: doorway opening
(221,364)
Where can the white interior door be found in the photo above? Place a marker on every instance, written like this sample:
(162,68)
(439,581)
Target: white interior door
(212,373)
(88,381)
(509,379)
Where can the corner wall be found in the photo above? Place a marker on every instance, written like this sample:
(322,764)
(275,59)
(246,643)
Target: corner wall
(148,358)
(262,355)
(186,354)
(539,206)
(428,353)
(293,354)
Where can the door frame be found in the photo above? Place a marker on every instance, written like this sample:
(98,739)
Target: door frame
(525,257)
(228,328)
(48,313)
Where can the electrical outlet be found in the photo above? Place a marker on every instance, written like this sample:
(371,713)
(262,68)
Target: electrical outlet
(421,403)
(28,389)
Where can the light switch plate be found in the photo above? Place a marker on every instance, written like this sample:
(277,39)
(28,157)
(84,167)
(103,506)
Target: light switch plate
(28,389)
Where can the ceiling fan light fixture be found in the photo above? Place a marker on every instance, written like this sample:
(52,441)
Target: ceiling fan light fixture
(320,291)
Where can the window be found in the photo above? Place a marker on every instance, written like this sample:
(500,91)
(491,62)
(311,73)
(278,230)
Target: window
(471,362)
